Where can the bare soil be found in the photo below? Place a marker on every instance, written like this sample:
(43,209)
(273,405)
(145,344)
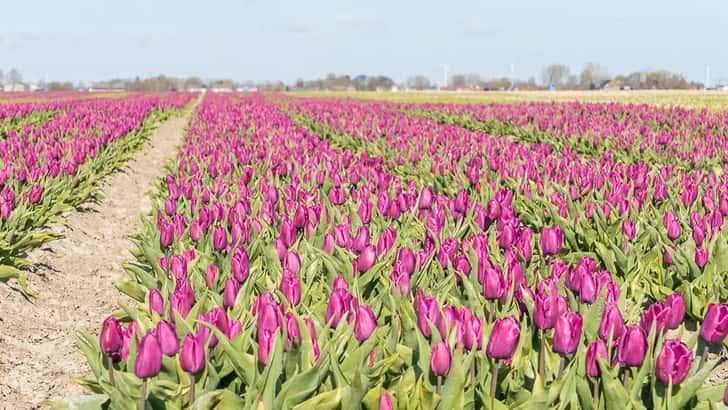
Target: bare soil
(73,280)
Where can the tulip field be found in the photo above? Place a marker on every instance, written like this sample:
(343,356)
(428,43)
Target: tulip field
(335,253)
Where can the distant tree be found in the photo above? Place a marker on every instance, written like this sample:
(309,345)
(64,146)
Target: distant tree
(192,82)
(457,81)
(2,78)
(555,74)
(14,77)
(592,76)
(418,82)
(60,86)
(379,82)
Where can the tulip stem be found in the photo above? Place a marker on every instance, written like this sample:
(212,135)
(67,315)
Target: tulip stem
(595,393)
(143,397)
(192,389)
(704,357)
(110,362)
(542,358)
(562,366)
(625,379)
(494,384)
(472,372)
(491,311)
(439,384)
(668,395)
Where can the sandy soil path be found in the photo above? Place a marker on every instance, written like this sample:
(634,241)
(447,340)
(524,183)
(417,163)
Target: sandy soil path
(73,280)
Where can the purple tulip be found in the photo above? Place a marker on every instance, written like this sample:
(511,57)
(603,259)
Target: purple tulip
(234,328)
(596,349)
(366,259)
(192,355)
(504,338)
(701,257)
(292,331)
(111,338)
(676,304)
(290,287)
(156,302)
(240,265)
(428,311)
(552,239)
(715,325)
(546,310)
(292,262)
(266,338)
(385,402)
(567,333)
(493,282)
(230,293)
(407,258)
(612,324)
(629,228)
(365,323)
(167,338)
(211,276)
(426,198)
(219,238)
(633,346)
(657,314)
(149,357)
(166,234)
(673,229)
(673,362)
(339,306)
(441,359)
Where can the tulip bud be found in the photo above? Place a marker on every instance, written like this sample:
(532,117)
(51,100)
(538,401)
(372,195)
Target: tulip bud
(166,234)
(234,328)
(219,238)
(493,282)
(240,265)
(524,244)
(328,243)
(111,339)
(339,304)
(673,229)
(428,311)
(676,305)
(701,257)
(292,261)
(365,323)
(156,302)
(407,258)
(674,361)
(292,331)
(149,357)
(192,356)
(596,349)
(230,294)
(633,346)
(211,276)
(441,359)
(385,402)
(290,287)
(715,325)
(266,338)
(657,314)
(504,338)
(567,333)
(612,324)
(629,228)
(167,338)
(546,310)
(314,341)
(551,240)
(366,259)
(426,197)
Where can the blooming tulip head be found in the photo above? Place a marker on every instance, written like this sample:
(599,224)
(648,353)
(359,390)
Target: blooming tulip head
(290,287)
(567,333)
(156,302)
(676,305)
(546,311)
(596,349)
(111,339)
(504,338)
(441,359)
(192,355)
(365,323)
(632,346)
(366,259)
(167,338)
(552,239)
(674,361)
(657,314)
(149,357)
(230,293)
(629,228)
(701,257)
(714,328)
(612,324)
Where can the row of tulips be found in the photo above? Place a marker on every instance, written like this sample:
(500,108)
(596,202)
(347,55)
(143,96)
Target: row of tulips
(280,269)
(48,167)
(607,210)
(627,132)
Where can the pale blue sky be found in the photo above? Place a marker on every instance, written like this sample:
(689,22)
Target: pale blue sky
(269,40)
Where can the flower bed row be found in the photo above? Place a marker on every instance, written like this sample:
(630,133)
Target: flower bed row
(49,167)
(280,269)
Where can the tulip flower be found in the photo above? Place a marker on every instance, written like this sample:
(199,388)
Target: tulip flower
(219,238)
(365,323)
(366,259)
(714,328)
(611,327)
(596,349)
(211,276)
(632,346)
(493,282)
(192,359)
(588,289)
(504,338)
(166,234)
(148,363)
(240,265)
(674,361)
(339,305)
(110,338)
(400,279)
(567,333)
(629,228)
(426,198)
(552,239)
(546,310)
(676,305)
(701,257)
(314,341)
(657,314)
(266,338)
(230,293)
(290,287)
(441,359)
(385,402)
(428,311)
(292,331)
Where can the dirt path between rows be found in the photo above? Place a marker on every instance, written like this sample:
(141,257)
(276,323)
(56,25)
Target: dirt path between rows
(73,281)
